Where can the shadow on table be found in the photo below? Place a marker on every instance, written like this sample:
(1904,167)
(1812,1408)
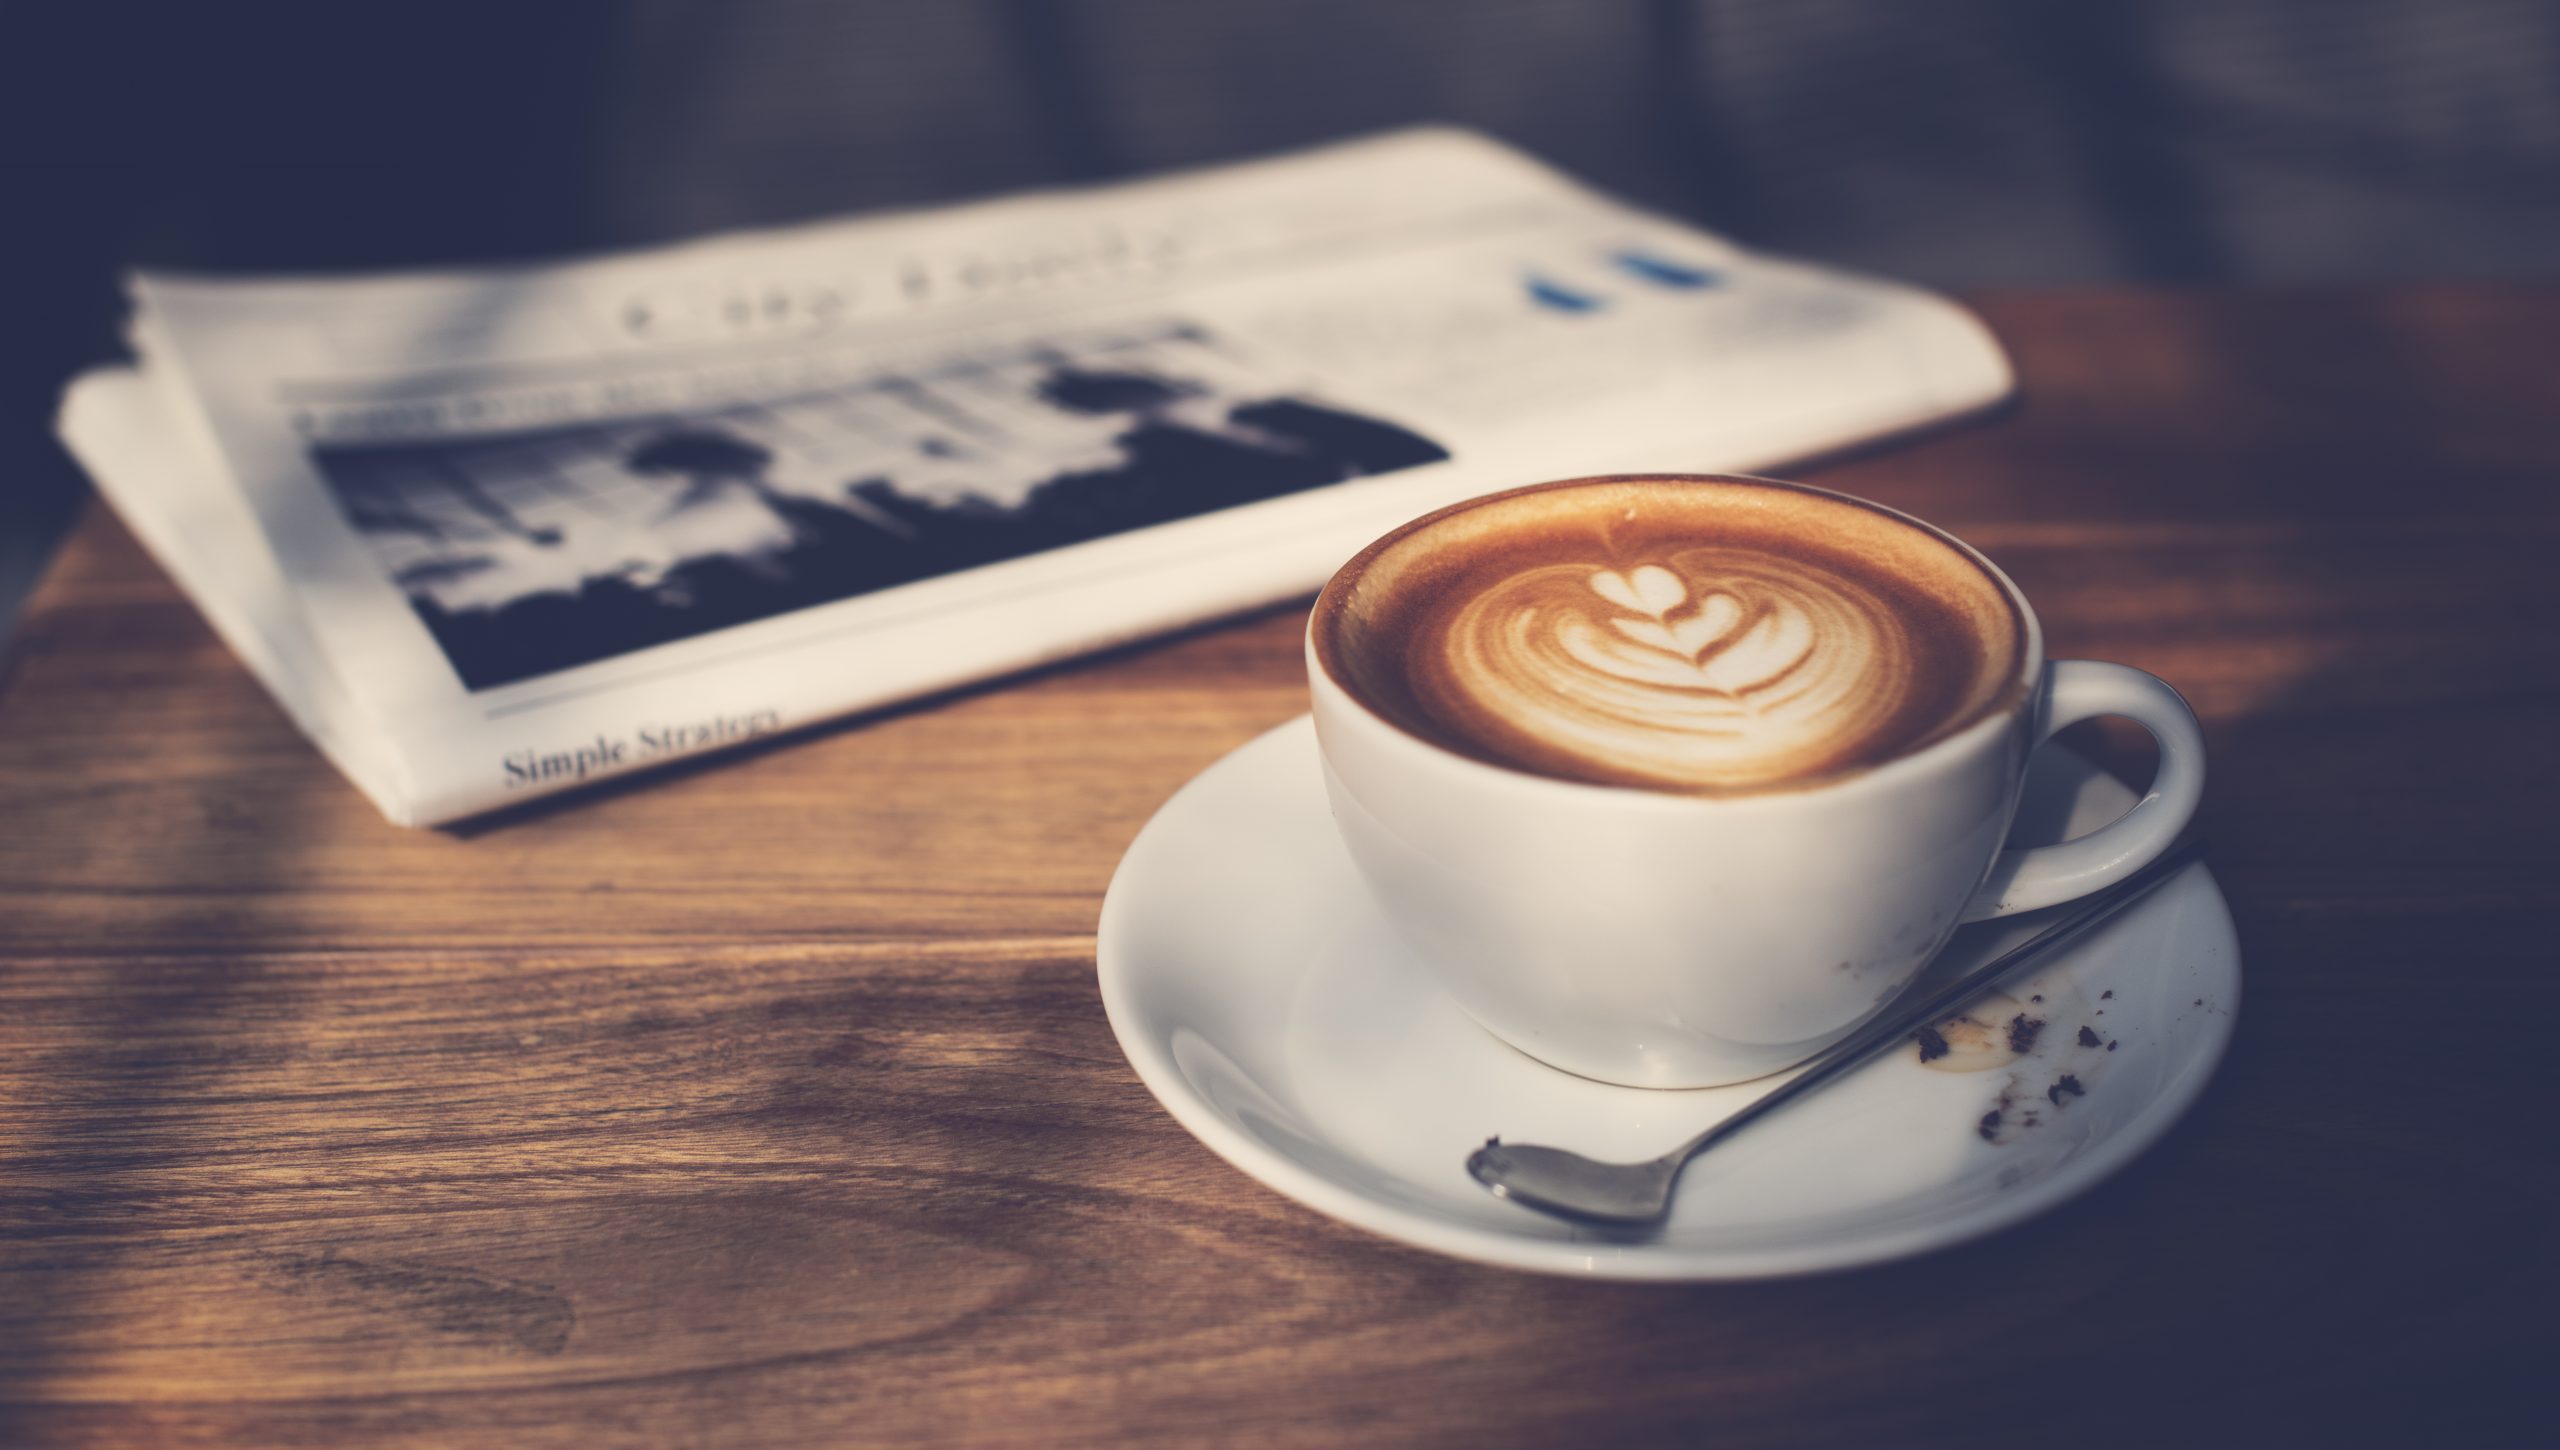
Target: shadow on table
(2336,1245)
(131,1098)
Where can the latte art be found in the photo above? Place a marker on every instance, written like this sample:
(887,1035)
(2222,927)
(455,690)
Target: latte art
(1709,667)
(1705,636)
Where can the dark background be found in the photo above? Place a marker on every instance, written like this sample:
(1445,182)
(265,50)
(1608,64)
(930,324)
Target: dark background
(1962,143)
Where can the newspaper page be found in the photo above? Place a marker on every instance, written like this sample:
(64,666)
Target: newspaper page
(493,534)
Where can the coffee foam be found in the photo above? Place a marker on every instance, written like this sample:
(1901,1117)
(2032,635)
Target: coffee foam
(1708,636)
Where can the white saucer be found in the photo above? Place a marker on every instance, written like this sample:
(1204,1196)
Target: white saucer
(1268,1007)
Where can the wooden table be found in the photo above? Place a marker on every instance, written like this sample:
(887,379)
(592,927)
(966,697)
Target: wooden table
(772,1101)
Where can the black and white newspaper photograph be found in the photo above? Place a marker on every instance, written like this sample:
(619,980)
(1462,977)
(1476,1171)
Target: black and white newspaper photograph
(528,553)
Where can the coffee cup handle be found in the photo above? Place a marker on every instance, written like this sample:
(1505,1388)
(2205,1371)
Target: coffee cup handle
(2076,690)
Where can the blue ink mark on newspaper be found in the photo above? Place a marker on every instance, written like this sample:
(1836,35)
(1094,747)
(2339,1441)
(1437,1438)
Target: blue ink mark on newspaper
(1547,292)
(1661,271)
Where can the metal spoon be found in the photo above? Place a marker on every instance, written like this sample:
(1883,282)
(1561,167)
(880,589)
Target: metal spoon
(1636,1194)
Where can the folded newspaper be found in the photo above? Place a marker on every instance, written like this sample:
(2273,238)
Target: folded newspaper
(492,534)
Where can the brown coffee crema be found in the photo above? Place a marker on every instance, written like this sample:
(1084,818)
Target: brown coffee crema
(1701,635)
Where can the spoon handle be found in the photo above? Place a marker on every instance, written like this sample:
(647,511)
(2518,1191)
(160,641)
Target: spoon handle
(1894,1026)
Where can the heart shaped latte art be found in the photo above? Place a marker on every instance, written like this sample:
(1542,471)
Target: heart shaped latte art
(1710,667)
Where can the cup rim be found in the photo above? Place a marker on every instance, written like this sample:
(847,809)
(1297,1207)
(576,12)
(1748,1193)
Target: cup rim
(1996,717)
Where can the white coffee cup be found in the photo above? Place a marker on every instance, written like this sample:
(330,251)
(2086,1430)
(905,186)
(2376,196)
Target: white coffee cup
(1671,940)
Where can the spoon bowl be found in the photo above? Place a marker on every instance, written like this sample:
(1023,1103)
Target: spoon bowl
(1567,1183)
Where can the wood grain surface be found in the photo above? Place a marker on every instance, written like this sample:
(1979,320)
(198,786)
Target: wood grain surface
(772,1102)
